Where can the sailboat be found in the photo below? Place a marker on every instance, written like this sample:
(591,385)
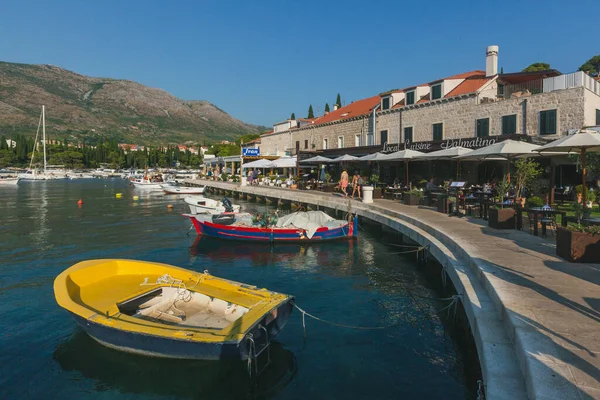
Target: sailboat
(32,174)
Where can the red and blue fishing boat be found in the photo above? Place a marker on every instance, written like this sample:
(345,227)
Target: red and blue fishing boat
(309,226)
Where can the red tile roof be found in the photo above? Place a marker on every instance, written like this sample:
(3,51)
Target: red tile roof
(267,133)
(469,85)
(356,109)
(464,75)
(520,77)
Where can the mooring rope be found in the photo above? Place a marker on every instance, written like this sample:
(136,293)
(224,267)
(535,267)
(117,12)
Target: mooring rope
(453,302)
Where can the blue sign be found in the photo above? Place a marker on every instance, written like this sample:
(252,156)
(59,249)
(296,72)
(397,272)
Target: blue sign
(251,152)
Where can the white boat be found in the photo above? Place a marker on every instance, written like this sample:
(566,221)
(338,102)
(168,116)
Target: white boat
(183,190)
(146,183)
(203,205)
(9,180)
(32,174)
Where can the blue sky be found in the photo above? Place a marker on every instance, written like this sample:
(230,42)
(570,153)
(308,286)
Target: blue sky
(262,60)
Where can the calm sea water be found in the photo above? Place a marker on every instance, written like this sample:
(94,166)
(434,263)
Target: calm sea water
(43,354)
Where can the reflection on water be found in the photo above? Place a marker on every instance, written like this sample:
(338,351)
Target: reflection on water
(356,282)
(130,373)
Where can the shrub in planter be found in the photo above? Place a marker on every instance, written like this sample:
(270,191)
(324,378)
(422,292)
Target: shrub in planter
(442,204)
(534,201)
(412,198)
(501,218)
(577,243)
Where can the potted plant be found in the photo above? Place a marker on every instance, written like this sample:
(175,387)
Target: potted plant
(451,202)
(527,171)
(442,203)
(502,218)
(534,201)
(578,243)
(412,197)
(373,181)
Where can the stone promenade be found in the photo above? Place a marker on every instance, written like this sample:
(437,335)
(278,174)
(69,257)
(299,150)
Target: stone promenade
(535,317)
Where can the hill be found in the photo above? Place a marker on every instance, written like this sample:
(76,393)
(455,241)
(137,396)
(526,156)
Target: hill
(84,108)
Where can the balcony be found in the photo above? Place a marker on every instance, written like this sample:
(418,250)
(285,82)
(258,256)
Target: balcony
(547,85)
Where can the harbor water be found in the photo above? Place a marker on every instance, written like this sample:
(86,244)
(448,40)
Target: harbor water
(364,283)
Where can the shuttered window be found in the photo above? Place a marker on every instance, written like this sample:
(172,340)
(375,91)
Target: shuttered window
(597,117)
(408,134)
(548,122)
(483,127)
(410,98)
(436,92)
(509,124)
(385,103)
(383,137)
(438,131)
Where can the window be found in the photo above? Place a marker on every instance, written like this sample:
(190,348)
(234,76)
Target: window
(509,124)
(438,131)
(306,143)
(340,142)
(324,144)
(483,127)
(297,144)
(500,90)
(410,98)
(436,92)
(597,117)
(383,137)
(385,103)
(358,140)
(408,134)
(548,122)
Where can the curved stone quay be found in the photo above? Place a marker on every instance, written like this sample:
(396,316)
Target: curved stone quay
(535,317)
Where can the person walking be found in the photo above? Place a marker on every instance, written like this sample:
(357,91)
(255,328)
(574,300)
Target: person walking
(356,182)
(344,183)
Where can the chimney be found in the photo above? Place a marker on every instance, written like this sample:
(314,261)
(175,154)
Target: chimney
(335,107)
(491,61)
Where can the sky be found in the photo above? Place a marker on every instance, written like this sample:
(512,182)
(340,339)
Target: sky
(262,60)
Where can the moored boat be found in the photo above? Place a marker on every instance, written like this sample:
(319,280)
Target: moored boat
(304,226)
(183,190)
(146,183)
(9,180)
(204,205)
(161,310)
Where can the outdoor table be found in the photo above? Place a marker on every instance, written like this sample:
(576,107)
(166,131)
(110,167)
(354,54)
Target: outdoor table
(537,211)
(484,200)
(392,192)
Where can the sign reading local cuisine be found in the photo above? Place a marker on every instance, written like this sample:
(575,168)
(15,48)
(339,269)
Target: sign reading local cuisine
(473,143)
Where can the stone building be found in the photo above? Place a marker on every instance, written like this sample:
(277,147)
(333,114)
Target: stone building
(469,109)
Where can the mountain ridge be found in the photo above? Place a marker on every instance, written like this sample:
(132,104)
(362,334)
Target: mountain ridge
(82,108)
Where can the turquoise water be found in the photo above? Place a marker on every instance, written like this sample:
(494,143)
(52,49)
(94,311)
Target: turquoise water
(43,354)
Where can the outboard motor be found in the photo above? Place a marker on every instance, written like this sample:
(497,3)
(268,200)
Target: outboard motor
(227,204)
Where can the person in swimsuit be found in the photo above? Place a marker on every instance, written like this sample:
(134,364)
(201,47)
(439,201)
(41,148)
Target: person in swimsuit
(344,183)
(356,182)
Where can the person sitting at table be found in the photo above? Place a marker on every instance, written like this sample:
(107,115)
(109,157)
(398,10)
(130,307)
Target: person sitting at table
(430,185)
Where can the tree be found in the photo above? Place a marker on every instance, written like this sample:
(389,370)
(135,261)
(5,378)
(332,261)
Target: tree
(338,101)
(293,116)
(311,114)
(538,66)
(592,66)
(527,171)
(327,107)
(501,70)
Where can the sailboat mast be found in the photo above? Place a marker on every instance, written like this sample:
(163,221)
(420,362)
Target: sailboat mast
(44,134)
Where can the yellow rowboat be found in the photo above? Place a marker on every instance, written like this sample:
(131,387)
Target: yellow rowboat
(165,311)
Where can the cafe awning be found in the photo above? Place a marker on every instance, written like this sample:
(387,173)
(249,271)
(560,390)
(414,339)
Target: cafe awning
(373,157)
(402,155)
(317,160)
(445,154)
(345,158)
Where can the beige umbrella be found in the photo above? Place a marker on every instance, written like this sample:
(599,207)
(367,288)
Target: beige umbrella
(505,150)
(446,154)
(580,142)
(404,155)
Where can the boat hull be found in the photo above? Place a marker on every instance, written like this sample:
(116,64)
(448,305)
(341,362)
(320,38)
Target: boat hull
(156,346)
(9,181)
(201,205)
(268,235)
(178,190)
(152,186)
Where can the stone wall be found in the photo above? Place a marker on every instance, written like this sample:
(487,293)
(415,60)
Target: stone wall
(575,109)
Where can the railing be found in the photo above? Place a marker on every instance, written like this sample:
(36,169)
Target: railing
(575,79)
(546,85)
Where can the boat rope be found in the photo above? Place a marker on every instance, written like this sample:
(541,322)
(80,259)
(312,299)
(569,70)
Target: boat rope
(414,250)
(304,313)
(452,306)
(251,353)
(480,390)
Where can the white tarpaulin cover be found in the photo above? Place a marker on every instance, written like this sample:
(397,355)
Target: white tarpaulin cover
(310,221)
